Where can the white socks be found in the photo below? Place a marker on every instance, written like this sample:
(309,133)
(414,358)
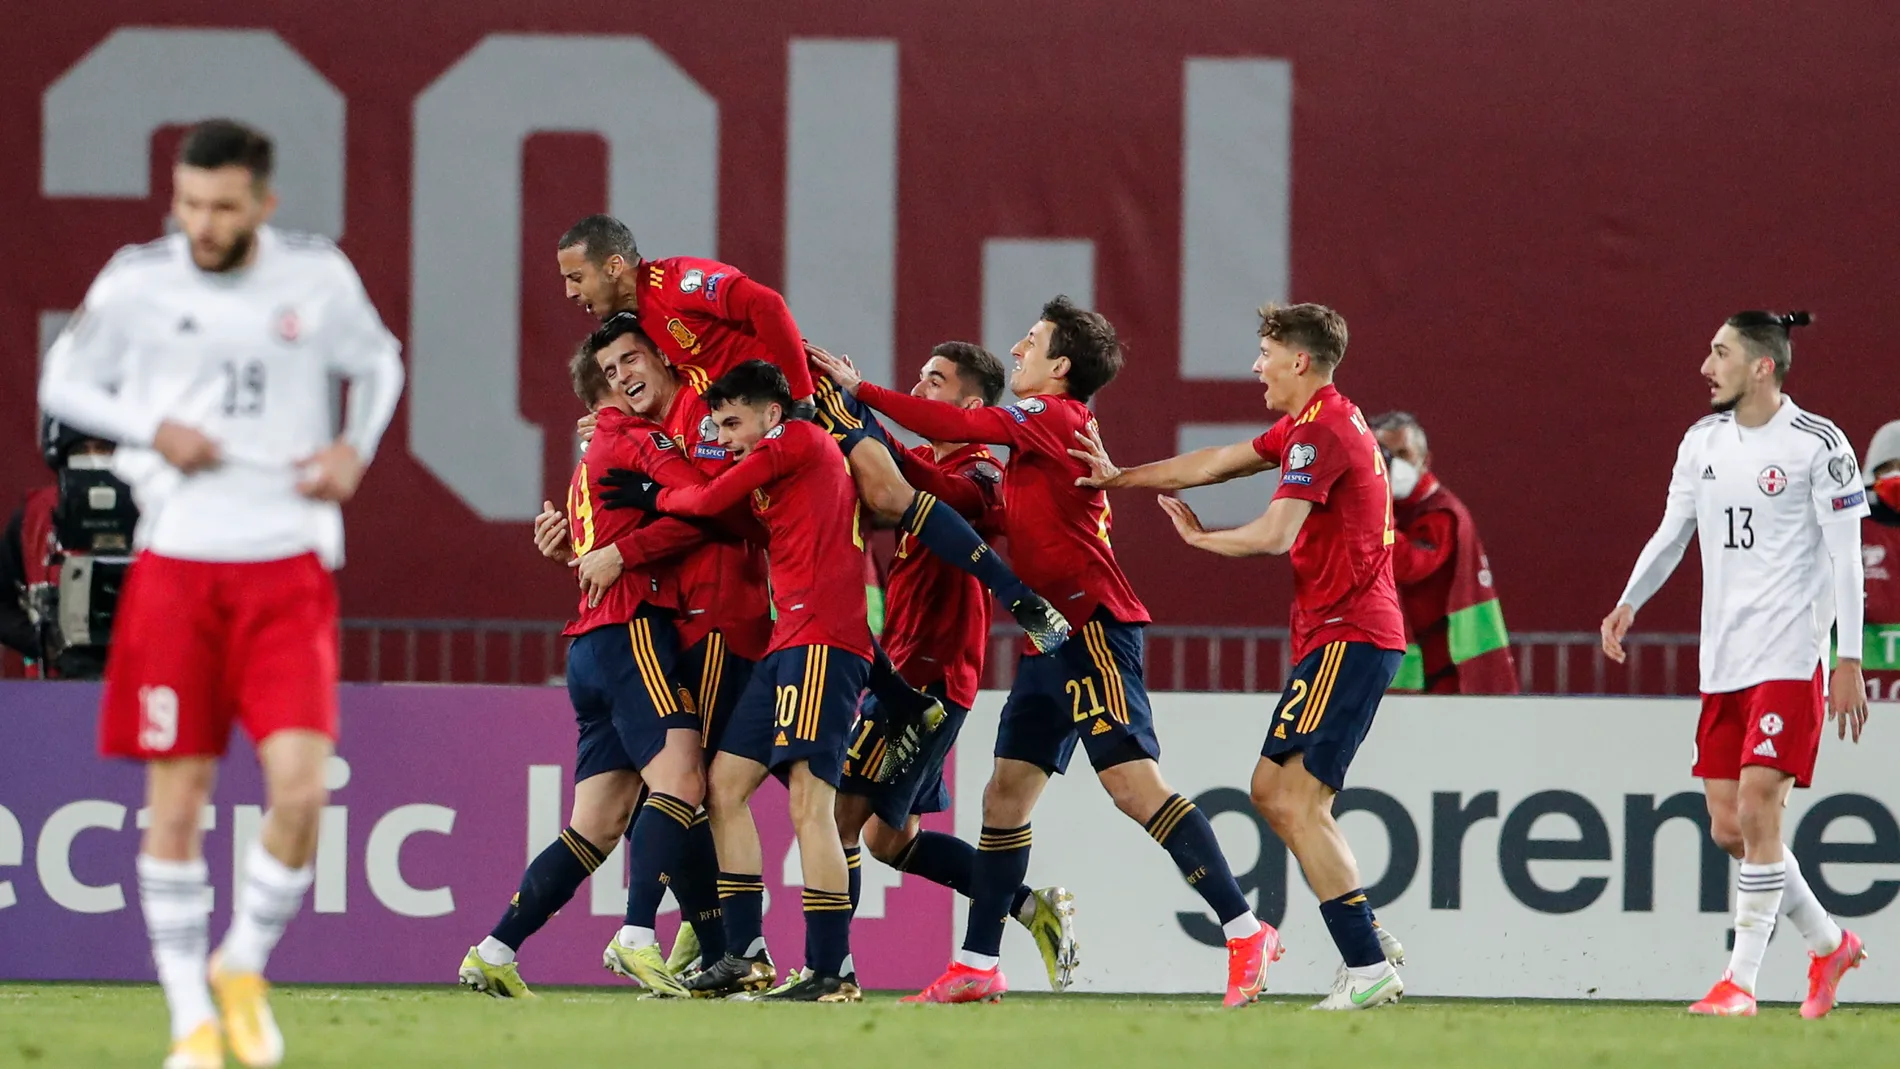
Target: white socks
(977,961)
(175,897)
(1804,910)
(1757,900)
(635,937)
(495,952)
(271,895)
(1241,927)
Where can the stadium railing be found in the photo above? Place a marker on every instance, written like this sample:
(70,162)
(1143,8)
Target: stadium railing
(1243,659)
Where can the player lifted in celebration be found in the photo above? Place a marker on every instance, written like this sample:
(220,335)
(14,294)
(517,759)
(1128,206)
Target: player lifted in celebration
(1333,514)
(633,731)
(1091,689)
(795,717)
(206,355)
(710,315)
(937,632)
(1775,498)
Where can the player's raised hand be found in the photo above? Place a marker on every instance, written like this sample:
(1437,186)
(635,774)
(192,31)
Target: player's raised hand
(1615,626)
(332,473)
(1186,523)
(186,448)
(1847,698)
(584,427)
(1102,471)
(838,369)
(598,570)
(550,534)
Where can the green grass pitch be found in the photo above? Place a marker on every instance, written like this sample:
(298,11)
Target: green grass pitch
(101,1026)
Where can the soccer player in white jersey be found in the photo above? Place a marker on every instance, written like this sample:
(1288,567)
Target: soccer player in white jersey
(1775,497)
(206,355)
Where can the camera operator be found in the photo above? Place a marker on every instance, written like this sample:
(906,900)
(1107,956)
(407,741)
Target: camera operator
(63,557)
(1459,644)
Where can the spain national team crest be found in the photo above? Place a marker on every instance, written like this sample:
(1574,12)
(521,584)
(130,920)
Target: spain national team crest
(683,334)
(760,502)
(1772,480)
(289,327)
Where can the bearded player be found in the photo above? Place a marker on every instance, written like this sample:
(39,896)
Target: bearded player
(207,356)
(1775,498)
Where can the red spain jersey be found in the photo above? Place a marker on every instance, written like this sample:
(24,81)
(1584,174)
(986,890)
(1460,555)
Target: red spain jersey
(937,616)
(800,488)
(721,579)
(1342,559)
(1058,532)
(591,527)
(709,315)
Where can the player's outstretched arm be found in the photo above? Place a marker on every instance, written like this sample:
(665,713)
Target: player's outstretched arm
(939,421)
(1203,467)
(1273,532)
(725,491)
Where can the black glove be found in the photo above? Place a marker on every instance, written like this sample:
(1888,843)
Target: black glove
(629,489)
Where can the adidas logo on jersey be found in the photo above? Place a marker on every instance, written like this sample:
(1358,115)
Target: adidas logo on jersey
(1708,471)
(1101,728)
(1766,749)
(780,741)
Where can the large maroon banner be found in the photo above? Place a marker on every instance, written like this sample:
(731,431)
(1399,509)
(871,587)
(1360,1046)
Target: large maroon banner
(1534,216)
(438,798)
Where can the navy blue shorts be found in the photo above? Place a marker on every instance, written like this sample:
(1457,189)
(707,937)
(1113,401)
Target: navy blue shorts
(1090,688)
(712,678)
(921,788)
(1328,706)
(848,420)
(800,706)
(620,681)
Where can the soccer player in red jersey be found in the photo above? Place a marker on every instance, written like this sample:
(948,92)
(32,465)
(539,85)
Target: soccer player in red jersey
(710,315)
(725,620)
(1333,514)
(937,632)
(1092,689)
(795,718)
(634,731)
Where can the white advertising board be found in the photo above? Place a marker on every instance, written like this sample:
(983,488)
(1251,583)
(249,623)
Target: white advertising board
(1520,847)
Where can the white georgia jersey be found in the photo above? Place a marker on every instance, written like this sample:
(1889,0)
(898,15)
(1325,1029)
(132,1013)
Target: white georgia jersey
(247,358)
(1758,497)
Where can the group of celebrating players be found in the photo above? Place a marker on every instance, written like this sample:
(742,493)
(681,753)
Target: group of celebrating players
(714,525)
